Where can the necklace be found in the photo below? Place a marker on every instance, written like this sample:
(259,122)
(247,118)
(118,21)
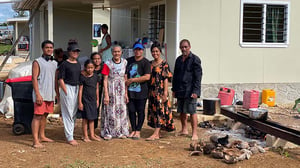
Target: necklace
(156,63)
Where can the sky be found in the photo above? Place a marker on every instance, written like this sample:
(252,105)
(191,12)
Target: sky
(6,12)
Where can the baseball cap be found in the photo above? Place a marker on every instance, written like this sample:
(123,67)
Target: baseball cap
(138,45)
(74,47)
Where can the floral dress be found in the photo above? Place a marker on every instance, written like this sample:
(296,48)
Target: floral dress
(159,114)
(114,120)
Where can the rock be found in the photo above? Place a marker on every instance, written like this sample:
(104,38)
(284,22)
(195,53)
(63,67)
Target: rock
(230,159)
(194,146)
(242,157)
(247,153)
(214,139)
(234,144)
(224,140)
(217,154)
(254,150)
(208,148)
(195,153)
(243,145)
(252,143)
(161,147)
(261,149)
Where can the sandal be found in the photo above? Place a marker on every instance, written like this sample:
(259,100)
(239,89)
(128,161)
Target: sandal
(136,137)
(107,137)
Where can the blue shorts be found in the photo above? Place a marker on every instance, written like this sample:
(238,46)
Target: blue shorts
(186,105)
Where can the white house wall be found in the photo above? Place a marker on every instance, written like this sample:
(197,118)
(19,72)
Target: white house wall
(213,29)
(121,25)
(170,30)
(73,23)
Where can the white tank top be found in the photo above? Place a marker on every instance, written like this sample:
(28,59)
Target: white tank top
(46,79)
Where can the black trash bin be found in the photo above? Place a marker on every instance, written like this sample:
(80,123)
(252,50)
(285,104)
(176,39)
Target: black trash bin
(21,89)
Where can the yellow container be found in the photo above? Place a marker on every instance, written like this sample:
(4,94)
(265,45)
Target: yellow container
(268,97)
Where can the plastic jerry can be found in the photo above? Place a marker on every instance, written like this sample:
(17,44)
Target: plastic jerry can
(226,96)
(250,99)
(268,97)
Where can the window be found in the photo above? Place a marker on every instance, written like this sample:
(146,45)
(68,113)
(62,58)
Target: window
(156,22)
(264,23)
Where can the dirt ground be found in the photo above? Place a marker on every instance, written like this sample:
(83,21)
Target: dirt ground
(169,151)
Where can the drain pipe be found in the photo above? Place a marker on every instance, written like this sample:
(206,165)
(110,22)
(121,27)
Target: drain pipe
(22,32)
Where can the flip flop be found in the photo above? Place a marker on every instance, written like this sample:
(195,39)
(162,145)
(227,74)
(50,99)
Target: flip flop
(107,138)
(135,137)
(182,134)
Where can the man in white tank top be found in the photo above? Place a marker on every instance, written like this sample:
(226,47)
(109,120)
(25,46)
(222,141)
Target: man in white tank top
(43,81)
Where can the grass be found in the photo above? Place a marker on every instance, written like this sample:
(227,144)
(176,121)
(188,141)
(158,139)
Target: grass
(4,48)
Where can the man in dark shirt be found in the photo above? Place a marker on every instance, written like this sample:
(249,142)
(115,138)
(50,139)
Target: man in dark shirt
(186,86)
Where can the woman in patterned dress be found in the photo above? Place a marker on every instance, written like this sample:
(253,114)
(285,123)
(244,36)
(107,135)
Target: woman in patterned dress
(114,122)
(159,113)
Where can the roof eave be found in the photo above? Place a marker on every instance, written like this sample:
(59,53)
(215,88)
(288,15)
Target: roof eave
(26,4)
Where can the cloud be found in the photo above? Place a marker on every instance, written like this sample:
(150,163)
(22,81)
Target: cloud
(6,11)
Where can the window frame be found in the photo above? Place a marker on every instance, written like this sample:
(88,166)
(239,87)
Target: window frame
(264,43)
(149,16)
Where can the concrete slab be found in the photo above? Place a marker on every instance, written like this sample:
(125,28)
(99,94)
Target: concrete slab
(272,141)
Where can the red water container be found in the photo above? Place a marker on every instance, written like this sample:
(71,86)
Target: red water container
(250,99)
(226,96)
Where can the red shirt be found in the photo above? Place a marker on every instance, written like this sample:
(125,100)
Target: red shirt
(105,70)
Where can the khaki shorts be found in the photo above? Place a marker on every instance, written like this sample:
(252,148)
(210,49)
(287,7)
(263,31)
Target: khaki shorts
(186,105)
(45,107)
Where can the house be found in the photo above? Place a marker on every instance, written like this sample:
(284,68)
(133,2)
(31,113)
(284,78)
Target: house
(19,24)
(243,44)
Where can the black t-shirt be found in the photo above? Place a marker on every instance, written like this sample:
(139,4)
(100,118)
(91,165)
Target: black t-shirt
(70,72)
(89,87)
(137,69)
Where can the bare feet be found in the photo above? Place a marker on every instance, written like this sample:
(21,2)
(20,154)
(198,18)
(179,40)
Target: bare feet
(73,142)
(95,138)
(183,133)
(86,139)
(131,134)
(137,135)
(122,137)
(45,139)
(195,138)
(152,138)
(38,145)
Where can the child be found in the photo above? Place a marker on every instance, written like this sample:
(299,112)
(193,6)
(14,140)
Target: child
(88,100)
(69,73)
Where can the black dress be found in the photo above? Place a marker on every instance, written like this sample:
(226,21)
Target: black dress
(89,96)
(100,81)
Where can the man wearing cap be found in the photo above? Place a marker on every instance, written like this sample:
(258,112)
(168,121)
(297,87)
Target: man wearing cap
(69,73)
(186,86)
(138,73)
(43,82)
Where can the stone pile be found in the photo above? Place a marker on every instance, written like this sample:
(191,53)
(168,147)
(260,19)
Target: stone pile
(220,148)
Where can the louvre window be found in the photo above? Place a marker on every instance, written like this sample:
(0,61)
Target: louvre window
(156,21)
(264,23)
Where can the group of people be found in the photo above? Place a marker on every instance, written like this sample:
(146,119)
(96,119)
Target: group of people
(124,84)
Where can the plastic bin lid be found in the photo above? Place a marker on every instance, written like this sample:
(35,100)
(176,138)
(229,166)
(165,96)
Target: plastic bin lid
(19,79)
